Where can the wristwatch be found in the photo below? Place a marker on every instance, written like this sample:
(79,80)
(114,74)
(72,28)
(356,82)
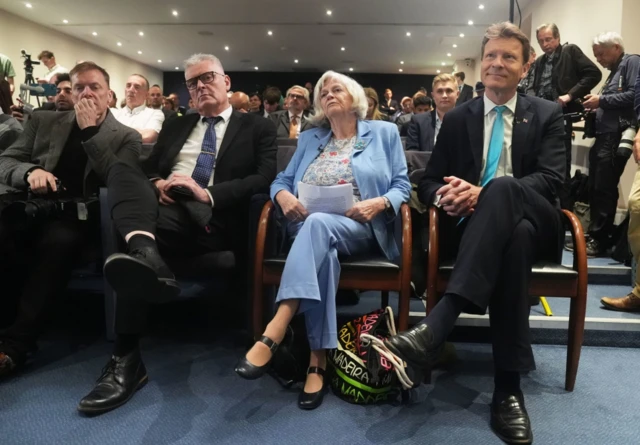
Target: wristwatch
(387,203)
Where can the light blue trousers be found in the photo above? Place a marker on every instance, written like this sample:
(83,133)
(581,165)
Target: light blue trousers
(312,270)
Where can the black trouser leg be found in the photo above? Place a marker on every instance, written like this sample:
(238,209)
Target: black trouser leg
(509,307)
(605,169)
(564,190)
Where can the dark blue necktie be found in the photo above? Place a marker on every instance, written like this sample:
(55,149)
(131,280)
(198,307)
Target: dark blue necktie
(207,157)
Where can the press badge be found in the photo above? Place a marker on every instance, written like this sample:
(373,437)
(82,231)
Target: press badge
(83,214)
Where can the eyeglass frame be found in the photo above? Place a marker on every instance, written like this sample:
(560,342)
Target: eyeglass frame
(195,87)
(296,96)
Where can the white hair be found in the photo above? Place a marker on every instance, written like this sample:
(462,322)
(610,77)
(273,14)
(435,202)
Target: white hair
(608,38)
(360,103)
(199,58)
(305,92)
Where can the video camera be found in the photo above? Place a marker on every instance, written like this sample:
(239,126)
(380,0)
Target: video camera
(28,63)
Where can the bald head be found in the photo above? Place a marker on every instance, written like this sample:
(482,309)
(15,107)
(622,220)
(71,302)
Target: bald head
(239,101)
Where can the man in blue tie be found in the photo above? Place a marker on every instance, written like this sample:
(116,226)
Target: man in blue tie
(494,174)
(194,199)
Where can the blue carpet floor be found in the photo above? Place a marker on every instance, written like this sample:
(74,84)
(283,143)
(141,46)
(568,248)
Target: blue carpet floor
(193,397)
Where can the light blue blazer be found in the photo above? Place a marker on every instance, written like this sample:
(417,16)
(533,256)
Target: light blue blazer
(379,168)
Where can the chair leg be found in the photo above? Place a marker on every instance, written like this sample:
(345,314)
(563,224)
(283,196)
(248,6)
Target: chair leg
(403,308)
(384,299)
(576,336)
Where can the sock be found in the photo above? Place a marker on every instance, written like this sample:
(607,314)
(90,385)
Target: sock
(125,343)
(507,381)
(141,241)
(443,316)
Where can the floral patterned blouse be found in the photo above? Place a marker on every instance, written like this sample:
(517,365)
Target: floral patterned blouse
(333,166)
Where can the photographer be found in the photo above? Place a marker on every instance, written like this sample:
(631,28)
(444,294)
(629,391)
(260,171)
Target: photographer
(60,158)
(62,101)
(614,118)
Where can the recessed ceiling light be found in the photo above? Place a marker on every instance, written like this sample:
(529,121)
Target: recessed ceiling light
(65,21)
(255,68)
(295,61)
(94,33)
(470,22)
(159,61)
(343,48)
(438,71)
(28,5)
(400,70)
(177,67)
(408,34)
(455,46)
(480,6)
(443,64)
(226,48)
(448,54)
(139,52)
(270,33)
(402,62)
(119,44)
(350,69)
(175,13)
(141,34)
(461,35)
(329,12)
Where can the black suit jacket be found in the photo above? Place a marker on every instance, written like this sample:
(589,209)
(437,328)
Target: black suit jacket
(282,122)
(387,109)
(537,156)
(421,131)
(466,94)
(245,163)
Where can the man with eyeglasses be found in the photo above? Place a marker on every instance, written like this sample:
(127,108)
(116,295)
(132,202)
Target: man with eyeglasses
(136,114)
(203,172)
(292,121)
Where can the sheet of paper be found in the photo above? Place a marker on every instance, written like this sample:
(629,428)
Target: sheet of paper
(326,199)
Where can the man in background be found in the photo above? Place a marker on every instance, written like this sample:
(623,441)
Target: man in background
(155,102)
(240,102)
(135,113)
(49,60)
(295,118)
(7,72)
(465,92)
(271,100)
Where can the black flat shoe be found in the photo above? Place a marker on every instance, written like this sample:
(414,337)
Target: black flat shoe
(248,370)
(120,380)
(509,418)
(142,272)
(312,400)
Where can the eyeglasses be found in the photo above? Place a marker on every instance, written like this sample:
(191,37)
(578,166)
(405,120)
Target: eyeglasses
(205,78)
(296,96)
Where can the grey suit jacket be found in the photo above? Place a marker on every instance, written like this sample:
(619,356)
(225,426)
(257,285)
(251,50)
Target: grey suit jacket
(282,121)
(44,138)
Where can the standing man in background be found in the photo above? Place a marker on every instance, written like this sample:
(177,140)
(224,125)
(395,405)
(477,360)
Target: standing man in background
(49,60)
(7,72)
(465,92)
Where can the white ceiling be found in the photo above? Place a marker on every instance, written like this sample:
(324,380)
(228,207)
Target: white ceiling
(372,31)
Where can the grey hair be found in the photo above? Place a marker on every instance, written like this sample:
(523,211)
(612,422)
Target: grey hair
(305,92)
(356,91)
(552,26)
(199,58)
(608,38)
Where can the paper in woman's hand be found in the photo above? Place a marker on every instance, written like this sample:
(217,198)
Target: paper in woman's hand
(326,199)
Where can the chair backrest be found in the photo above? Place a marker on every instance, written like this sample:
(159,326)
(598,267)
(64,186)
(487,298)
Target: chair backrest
(284,155)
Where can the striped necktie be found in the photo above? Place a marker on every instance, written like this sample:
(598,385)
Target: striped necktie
(207,157)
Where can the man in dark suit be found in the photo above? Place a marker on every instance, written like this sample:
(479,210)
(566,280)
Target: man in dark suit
(77,148)
(389,105)
(292,121)
(423,129)
(204,170)
(494,173)
(465,91)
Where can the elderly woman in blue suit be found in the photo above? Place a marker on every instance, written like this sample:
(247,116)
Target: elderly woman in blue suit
(343,149)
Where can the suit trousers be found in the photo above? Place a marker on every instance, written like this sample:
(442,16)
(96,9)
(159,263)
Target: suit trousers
(36,263)
(634,227)
(605,169)
(512,227)
(312,270)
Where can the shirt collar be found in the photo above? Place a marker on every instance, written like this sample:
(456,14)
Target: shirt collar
(511,104)
(299,116)
(225,115)
(53,68)
(136,110)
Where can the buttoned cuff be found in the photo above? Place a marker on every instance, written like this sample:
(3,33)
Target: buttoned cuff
(210,196)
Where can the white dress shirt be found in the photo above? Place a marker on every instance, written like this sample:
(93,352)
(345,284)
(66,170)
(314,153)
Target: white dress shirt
(142,117)
(437,129)
(185,161)
(299,117)
(504,164)
(55,70)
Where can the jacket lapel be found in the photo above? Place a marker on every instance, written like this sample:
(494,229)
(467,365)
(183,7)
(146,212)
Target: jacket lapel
(108,126)
(285,122)
(363,139)
(475,129)
(59,135)
(232,129)
(521,125)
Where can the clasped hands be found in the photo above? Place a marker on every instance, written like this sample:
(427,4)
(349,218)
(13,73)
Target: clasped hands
(458,197)
(363,211)
(177,179)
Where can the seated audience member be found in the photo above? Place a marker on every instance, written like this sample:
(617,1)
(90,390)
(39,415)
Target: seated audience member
(77,149)
(309,88)
(192,108)
(255,103)
(422,103)
(219,158)
(167,104)
(154,102)
(465,92)
(496,185)
(388,106)
(113,103)
(295,118)
(373,110)
(62,101)
(406,108)
(408,111)
(10,128)
(271,100)
(49,60)
(176,100)
(240,102)
(479,89)
(326,156)
(135,113)
(423,129)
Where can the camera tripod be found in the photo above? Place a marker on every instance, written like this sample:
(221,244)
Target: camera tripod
(25,95)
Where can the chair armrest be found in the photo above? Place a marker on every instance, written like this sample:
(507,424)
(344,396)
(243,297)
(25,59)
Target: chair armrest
(579,246)
(261,239)
(405,277)
(433,258)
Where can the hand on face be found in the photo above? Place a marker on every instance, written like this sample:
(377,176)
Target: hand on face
(86,113)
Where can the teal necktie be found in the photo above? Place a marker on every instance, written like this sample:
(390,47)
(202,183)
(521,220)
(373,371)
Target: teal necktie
(495,146)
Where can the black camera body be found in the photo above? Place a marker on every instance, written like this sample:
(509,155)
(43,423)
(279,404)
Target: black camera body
(28,63)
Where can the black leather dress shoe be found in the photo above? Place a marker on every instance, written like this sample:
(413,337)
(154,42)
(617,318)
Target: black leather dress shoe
(509,418)
(416,346)
(248,370)
(312,400)
(141,272)
(120,379)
